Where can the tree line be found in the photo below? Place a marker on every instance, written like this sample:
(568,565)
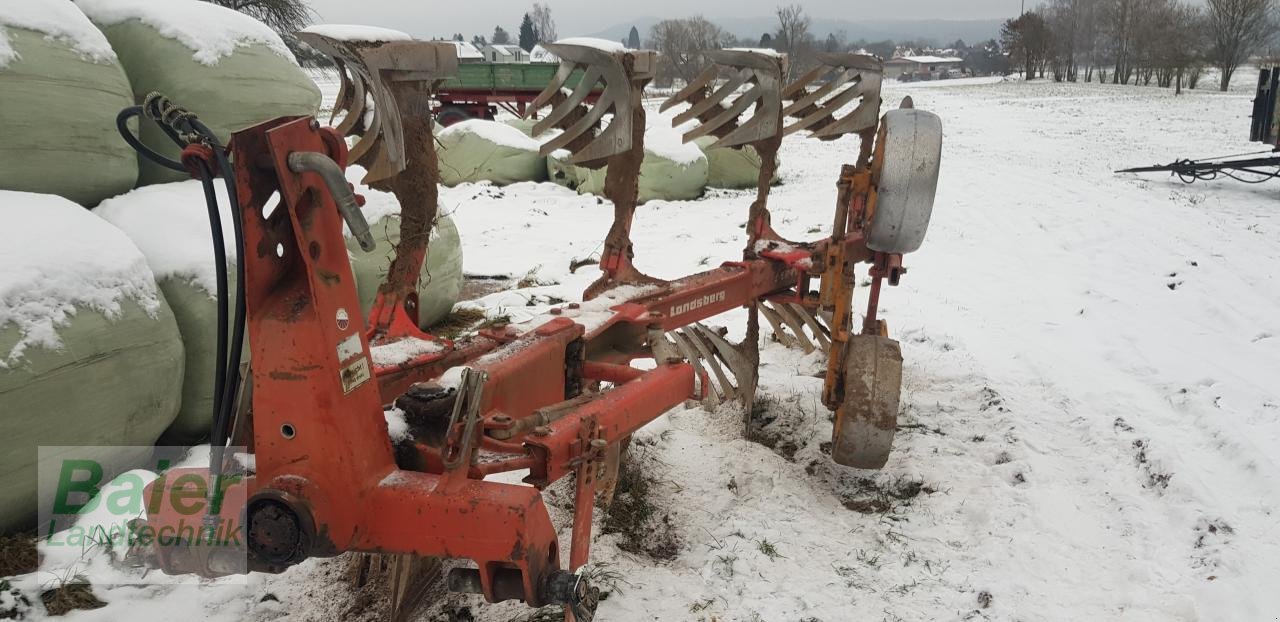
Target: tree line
(1169,42)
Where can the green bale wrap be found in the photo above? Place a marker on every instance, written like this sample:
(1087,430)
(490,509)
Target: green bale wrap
(89,350)
(441,281)
(561,172)
(229,86)
(524,125)
(731,168)
(58,105)
(170,224)
(478,150)
(666,175)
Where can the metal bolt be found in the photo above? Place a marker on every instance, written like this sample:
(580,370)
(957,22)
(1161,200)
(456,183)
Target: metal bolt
(541,430)
(599,443)
(501,419)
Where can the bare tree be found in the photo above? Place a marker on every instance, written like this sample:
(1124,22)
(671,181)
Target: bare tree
(680,43)
(283,16)
(543,24)
(1028,40)
(1237,29)
(793,35)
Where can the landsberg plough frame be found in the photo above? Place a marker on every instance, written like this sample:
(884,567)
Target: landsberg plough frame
(559,400)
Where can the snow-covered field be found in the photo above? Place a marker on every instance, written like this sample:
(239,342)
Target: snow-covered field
(1091,409)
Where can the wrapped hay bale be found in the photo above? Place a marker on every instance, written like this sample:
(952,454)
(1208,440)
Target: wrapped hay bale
(89,351)
(61,87)
(671,170)
(231,70)
(478,150)
(561,172)
(524,125)
(730,168)
(440,284)
(170,224)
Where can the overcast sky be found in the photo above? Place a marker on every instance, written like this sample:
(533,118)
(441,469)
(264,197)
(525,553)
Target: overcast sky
(427,18)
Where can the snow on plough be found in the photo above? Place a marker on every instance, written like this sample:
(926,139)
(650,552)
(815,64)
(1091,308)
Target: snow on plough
(559,400)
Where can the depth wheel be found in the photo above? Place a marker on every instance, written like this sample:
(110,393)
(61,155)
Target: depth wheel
(868,415)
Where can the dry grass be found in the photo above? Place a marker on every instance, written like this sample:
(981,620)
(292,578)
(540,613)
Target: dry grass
(643,528)
(70,596)
(18,555)
(456,323)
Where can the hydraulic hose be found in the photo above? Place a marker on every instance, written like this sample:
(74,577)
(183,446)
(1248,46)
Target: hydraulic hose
(183,128)
(331,174)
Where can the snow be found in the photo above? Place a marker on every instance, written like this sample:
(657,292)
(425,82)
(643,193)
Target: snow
(766,51)
(57,19)
(1078,440)
(495,132)
(467,51)
(170,223)
(927,60)
(57,259)
(402,351)
(662,140)
(604,45)
(351,32)
(540,54)
(378,204)
(211,31)
(397,427)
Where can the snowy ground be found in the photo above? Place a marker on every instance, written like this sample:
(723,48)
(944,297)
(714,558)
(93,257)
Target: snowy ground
(1090,410)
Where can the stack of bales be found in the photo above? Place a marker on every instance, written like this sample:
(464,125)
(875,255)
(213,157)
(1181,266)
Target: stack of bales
(107,318)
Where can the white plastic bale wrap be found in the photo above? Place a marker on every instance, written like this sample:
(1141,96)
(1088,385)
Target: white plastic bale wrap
(89,350)
(479,150)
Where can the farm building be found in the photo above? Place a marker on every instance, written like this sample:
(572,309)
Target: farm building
(468,52)
(922,67)
(505,53)
(540,54)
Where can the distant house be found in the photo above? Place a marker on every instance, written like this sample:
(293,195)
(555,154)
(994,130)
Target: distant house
(468,53)
(505,53)
(922,67)
(540,54)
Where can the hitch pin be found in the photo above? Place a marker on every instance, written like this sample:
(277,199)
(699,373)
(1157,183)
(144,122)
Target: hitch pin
(331,174)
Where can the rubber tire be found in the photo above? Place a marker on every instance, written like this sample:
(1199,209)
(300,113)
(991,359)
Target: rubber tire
(908,155)
(868,417)
(451,115)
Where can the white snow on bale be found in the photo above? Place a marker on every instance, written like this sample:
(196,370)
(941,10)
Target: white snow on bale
(497,133)
(604,45)
(57,19)
(378,204)
(59,257)
(170,223)
(662,140)
(354,32)
(211,31)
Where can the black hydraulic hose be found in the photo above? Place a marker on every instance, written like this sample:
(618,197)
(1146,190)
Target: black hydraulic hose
(221,349)
(122,125)
(222,417)
(184,128)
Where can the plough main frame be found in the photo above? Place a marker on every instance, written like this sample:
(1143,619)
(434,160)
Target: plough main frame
(327,480)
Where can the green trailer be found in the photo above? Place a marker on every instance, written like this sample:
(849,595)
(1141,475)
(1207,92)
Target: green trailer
(481,88)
